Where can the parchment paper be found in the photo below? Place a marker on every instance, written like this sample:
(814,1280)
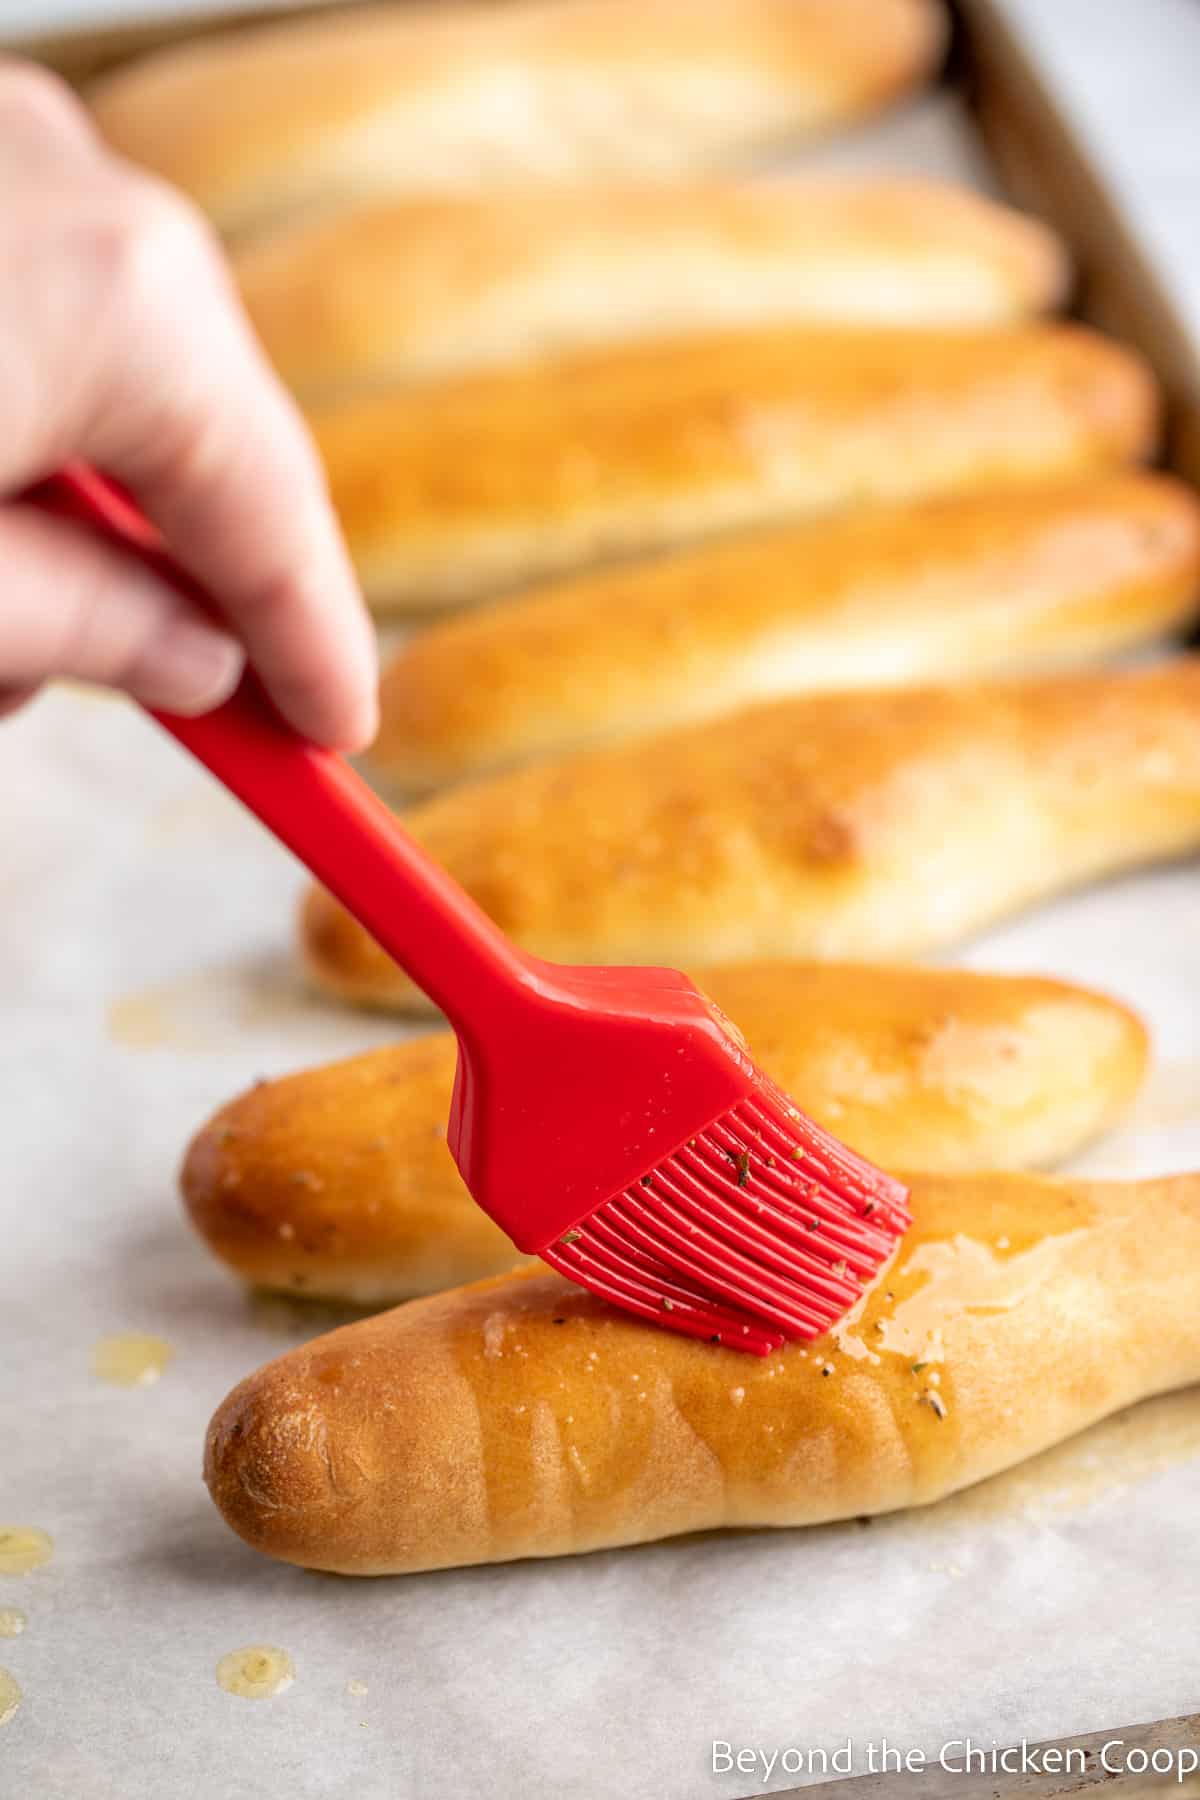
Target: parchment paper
(145,974)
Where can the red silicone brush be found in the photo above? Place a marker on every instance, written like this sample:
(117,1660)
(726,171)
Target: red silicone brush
(610,1120)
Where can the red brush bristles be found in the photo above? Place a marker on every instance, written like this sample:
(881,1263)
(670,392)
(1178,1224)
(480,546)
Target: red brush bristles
(759,1229)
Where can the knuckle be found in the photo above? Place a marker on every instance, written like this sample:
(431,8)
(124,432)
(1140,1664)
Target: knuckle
(35,99)
(145,241)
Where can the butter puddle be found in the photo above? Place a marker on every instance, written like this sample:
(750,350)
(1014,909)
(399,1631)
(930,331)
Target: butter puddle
(258,1672)
(24,1548)
(130,1359)
(140,1022)
(204,1010)
(964,1275)
(10,1696)
(961,1275)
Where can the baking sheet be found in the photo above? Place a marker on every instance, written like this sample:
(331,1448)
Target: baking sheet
(25,16)
(146,976)
(145,973)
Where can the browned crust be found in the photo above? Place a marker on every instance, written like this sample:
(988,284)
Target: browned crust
(520,1417)
(994,583)
(489,480)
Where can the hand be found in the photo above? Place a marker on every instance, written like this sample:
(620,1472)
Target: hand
(122,344)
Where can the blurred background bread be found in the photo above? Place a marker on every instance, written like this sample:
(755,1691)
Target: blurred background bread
(1001,581)
(853,825)
(408,287)
(271,122)
(484,481)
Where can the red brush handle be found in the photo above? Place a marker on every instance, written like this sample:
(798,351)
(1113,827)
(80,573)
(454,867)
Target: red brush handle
(312,799)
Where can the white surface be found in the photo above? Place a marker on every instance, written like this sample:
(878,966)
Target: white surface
(122,869)
(125,869)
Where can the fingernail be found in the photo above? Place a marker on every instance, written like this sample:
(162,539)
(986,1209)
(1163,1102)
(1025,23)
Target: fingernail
(189,669)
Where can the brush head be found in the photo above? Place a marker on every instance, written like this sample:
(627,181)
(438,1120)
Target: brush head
(651,1162)
(762,1227)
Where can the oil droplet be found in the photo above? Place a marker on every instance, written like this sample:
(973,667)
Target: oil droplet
(357,1688)
(737,1395)
(138,1022)
(22,1548)
(10,1696)
(12,1621)
(256,1673)
(130,1359)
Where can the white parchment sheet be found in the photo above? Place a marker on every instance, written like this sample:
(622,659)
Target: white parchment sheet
(145,976)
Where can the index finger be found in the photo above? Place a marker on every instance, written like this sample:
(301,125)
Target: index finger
(183,408)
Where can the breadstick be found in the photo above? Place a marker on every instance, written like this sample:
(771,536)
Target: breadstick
(860,826)
(521,1417)
(393,289)
(267,123)
(1002,582)
(337,1181)
(484,481)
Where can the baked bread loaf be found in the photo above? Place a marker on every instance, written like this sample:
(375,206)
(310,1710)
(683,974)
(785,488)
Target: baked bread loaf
(485,481)
(337,1181)
(998,582)
(851,826)
(392,289)
(521,1417)
(269,122)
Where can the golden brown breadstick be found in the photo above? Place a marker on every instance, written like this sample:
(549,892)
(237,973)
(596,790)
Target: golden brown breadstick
(978,584)
(841,826)
(258,124)
(480,482)
(392,289)
(337,1181)
(521,1417)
